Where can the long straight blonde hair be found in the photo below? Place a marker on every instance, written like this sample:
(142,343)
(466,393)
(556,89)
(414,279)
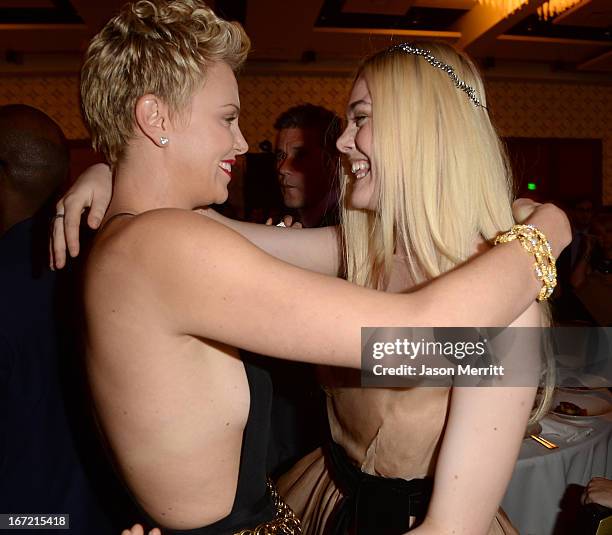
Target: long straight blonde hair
(444,178)
(443,175)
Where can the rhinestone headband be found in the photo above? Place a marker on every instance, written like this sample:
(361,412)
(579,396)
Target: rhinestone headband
(434,62)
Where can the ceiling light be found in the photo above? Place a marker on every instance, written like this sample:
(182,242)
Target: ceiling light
(507,7)
(552,8)
(548,10)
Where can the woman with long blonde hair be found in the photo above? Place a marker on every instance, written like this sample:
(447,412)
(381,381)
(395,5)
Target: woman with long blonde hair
(430,187)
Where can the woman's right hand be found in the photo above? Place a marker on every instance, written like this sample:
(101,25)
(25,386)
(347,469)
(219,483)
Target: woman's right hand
(548,218)
(137,529)
(93,189)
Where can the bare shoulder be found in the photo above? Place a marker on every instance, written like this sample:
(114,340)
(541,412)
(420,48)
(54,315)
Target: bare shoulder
(168,260)
(179,227)
(183,243)
(150,240)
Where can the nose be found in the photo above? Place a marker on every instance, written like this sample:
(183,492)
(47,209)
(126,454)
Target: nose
(346,141)
(240,144)
(283,166)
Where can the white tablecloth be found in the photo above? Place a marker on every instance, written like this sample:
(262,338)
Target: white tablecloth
(541,476)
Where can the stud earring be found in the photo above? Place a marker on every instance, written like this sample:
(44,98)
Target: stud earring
(164,140)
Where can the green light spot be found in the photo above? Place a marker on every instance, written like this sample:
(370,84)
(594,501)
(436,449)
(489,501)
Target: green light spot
(531,186)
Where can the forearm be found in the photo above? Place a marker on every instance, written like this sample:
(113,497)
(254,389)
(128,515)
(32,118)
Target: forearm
(493,289)
(496,287)
(478,453)
(313,249)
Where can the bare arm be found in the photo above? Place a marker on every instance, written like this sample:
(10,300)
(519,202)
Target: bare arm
(314,249)
(219,286)
(481,442)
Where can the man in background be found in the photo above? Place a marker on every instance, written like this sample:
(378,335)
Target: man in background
(307,167)
(307,163)
(50,461)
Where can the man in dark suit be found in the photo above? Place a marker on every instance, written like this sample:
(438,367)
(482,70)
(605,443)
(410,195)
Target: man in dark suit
(50,461)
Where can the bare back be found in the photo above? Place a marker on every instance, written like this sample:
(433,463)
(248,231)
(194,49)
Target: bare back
(173,406)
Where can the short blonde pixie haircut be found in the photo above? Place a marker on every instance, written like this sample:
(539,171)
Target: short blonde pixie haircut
(159,47)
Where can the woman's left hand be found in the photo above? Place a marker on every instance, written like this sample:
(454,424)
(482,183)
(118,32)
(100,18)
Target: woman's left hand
(137,529)
(93,189)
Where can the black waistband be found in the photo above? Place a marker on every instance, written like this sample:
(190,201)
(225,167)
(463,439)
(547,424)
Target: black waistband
(374,505)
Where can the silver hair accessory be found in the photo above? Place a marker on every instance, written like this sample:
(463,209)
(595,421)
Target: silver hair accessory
(434,62)
(164,140)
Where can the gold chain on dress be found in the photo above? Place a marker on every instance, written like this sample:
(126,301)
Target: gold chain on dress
(285,521)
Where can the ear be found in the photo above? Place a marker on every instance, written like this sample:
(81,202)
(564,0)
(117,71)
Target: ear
(152,118)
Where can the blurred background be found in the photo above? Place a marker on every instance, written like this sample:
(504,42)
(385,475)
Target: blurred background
(548,67)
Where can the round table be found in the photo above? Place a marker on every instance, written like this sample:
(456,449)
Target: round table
(541,476)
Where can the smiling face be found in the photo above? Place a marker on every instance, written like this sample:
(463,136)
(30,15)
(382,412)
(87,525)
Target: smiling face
(205,142)
(356,145)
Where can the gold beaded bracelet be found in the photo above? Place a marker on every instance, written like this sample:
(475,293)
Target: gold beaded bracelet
(535,243)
